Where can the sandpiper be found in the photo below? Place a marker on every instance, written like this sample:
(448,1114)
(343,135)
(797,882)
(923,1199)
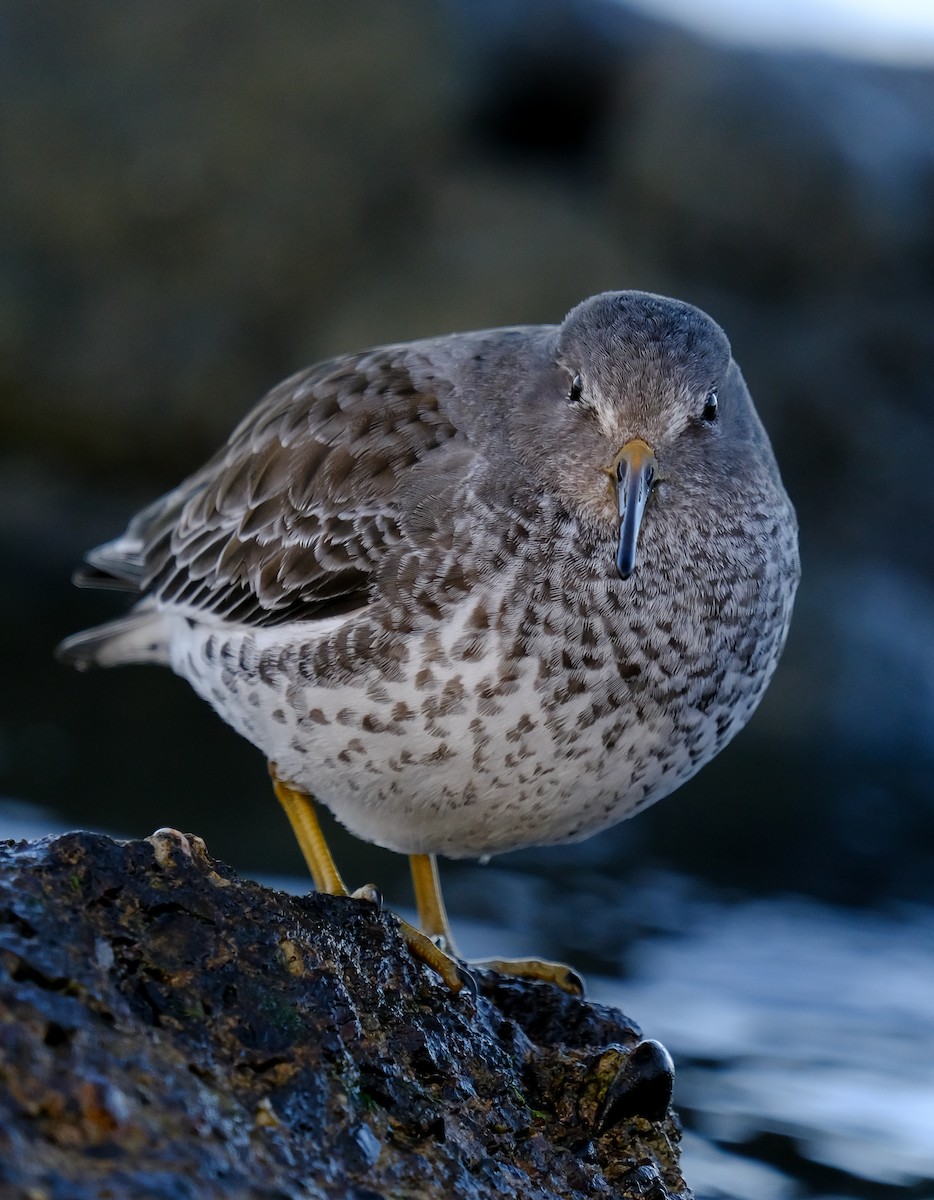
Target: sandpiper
(477,592)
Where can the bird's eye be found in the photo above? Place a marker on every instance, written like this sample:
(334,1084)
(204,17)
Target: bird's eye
(577,389)
(710,407)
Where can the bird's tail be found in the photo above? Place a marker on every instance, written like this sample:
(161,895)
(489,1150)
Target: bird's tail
(139,637)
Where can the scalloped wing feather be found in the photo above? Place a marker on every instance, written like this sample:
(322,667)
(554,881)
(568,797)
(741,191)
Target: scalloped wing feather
(295,514)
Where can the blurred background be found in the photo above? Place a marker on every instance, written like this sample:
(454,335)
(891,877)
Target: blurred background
(198,199)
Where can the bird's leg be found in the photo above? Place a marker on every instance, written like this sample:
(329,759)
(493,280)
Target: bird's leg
(432,918)
(304,821)
(301,813)
(434,923)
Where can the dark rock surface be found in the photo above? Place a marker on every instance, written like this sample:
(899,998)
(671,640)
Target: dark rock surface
(169,1030)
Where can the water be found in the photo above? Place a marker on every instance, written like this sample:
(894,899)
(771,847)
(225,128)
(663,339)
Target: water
(804,1036)
(803,1033)
(899,31)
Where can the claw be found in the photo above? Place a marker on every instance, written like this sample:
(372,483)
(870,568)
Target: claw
(469,981)
(371,894)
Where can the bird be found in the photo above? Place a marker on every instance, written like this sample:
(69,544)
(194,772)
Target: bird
(475,592)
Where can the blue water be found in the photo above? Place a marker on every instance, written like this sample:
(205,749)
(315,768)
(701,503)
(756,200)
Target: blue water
(802,1033)
(900,31)
(801,1028)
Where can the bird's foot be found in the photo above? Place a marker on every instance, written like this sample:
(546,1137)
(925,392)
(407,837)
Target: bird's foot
(436,957)
(559,974)
(437,931)
(425,949)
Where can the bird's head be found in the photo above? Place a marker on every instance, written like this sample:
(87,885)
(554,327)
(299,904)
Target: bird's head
(638,407)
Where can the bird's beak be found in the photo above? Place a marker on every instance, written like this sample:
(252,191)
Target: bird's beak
(632,475)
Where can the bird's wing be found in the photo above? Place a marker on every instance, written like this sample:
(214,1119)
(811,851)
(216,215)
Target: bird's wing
(292,518)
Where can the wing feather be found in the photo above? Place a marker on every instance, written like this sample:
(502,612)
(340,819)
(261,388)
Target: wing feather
(296,513)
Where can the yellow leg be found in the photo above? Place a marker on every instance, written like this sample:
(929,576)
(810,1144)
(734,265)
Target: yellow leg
(434,923)
(301,813)
(432,918)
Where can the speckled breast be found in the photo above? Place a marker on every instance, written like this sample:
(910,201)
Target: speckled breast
(538,711)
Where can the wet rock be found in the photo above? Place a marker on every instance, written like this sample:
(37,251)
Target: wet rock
(168,1029)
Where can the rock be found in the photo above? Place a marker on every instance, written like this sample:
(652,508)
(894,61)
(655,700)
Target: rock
(169,1030)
